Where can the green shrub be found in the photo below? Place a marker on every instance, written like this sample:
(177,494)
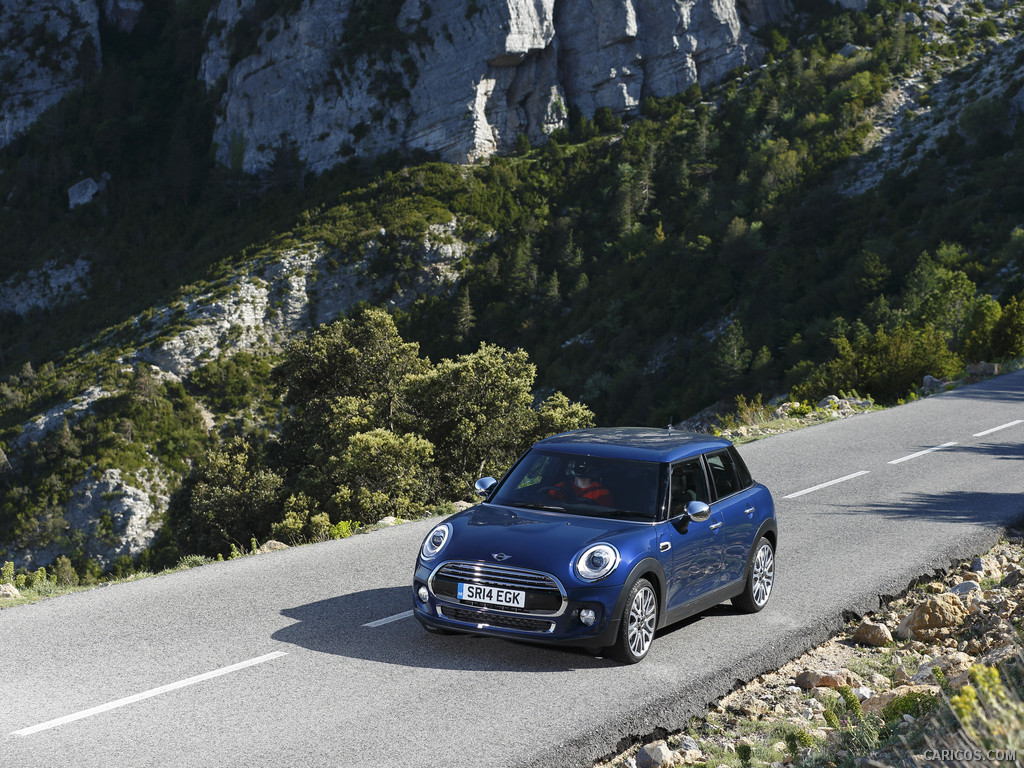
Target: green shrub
(64,572)
(915,703)
(193,561)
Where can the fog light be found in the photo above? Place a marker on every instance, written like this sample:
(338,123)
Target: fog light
(423,595)
(587,616)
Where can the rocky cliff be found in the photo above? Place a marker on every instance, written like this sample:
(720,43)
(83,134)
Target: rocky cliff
(47,49)
(461,78)
(333,78)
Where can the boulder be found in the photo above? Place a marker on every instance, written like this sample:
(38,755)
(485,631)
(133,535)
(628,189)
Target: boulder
(983,369)
(9,592)
(869,633)
(936,612)
(1013,578)
(951,664)
(271,546)
(815,678)
(965,588)
(655,755)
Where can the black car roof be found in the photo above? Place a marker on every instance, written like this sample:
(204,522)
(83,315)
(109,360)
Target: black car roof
(637,443)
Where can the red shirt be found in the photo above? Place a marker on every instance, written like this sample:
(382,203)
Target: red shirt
(595,492)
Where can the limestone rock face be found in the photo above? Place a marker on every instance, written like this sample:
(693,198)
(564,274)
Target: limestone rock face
(462,78)
(113,516)
(297,290)
(52,285)
(47,49)
(107,516)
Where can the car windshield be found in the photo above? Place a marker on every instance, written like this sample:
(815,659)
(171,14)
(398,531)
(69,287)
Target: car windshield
(582,485)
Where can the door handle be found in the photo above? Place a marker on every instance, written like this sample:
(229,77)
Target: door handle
(665,546)
(714,526)
(750,510)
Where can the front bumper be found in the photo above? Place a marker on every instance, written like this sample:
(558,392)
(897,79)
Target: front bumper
(543,620)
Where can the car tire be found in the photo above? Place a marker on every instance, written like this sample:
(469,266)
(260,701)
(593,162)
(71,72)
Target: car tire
(760,579)
(637,623)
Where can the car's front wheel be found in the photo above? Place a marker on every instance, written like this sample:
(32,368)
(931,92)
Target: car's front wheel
(639,619)
(760,580)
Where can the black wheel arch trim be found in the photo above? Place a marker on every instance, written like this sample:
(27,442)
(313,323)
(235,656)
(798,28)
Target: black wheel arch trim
(768,526)
(648,565)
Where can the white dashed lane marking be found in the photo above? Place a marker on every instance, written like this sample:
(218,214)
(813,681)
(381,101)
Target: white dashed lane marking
(921,453)
(146,695)
(996,429)
(388,620)
(826,485)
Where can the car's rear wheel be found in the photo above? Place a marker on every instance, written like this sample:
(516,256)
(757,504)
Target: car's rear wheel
(636,628)
(760,580)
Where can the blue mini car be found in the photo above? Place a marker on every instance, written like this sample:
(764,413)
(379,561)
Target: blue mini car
(600,537)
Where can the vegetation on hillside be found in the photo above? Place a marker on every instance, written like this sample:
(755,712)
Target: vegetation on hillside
(372,430)
(700,251)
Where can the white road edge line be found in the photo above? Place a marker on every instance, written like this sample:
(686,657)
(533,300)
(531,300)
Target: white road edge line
(147,694)
(921,453)
(826,485)
(996,429)
(389,619)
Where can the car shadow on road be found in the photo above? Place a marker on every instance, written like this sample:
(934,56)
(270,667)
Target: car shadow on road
(337,626)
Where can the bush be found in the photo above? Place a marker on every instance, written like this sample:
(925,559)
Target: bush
(65,572)
(916,704)
(884,364)
(193,561)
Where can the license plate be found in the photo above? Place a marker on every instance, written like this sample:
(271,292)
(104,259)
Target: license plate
(508,598)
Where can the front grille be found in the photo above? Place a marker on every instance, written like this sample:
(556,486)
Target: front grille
(544,595)
(503,621)
(497,576)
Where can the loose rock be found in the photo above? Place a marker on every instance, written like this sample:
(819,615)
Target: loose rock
(936,612)
(869,633)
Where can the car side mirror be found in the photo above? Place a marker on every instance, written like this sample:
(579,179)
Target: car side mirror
(698,511)
(484,485)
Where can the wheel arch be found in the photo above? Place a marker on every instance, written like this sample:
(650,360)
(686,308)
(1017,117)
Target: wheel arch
(648,568)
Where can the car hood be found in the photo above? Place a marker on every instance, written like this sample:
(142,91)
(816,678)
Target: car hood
(536,539)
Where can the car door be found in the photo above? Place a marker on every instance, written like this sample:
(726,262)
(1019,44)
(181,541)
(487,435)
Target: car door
(692,551)
(735,505)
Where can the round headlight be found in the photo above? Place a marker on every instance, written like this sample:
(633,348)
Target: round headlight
(435,541)
(597,562)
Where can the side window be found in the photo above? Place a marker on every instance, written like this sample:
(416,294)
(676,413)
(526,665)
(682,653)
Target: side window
(688,484)
(723,474)
(742,473)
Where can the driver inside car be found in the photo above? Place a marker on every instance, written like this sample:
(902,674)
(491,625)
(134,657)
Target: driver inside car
(583,484)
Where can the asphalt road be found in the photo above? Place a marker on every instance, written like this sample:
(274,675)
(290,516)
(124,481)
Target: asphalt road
(268,661)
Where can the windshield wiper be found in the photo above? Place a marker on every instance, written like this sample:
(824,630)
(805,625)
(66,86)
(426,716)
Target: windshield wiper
(531,505)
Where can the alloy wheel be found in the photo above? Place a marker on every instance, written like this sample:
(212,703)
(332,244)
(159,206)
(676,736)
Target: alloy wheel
(763,576)
(643,614)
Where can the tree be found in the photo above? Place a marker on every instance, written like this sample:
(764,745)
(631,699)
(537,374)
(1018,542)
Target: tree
(362,357)
(1008,331)
(230,499)
(939,296)
(884,364)
(465,319)
(731,357)
(381,474)
(976,342)
(476,412)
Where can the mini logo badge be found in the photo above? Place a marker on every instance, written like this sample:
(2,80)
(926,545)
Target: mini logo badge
(500,556)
